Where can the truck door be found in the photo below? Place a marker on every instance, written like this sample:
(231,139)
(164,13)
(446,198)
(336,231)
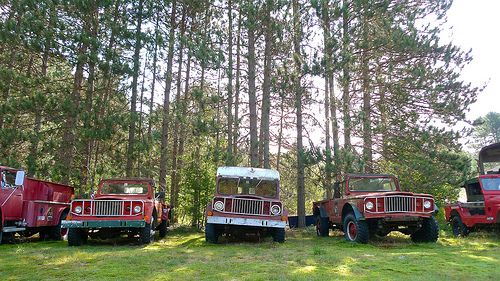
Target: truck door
(11,196)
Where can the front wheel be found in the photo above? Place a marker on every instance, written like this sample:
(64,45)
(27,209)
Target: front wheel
(147,234)
(279,235)
(77,237)
(429,232)
(163,228)
(459,228)
(356,230)
(211,234)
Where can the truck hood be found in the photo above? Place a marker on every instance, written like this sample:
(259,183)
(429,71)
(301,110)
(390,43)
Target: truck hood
(390,193)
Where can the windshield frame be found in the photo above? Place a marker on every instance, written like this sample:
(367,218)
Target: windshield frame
(121,184)
(352,180)
(266,187)
(487,185)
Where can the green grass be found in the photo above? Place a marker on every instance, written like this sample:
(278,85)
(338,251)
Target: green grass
(183,255)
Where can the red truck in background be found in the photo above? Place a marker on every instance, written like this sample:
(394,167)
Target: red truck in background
(121,205)
(373,204)
(481,209)
(246,201)
(29,206)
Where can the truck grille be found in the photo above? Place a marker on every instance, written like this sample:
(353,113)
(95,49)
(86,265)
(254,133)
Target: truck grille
(244,206)
(108,208)
(399,204)
(249,207)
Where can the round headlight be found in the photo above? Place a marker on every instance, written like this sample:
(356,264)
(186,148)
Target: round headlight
(137,209)
(369,205)
(427,204)
(78,209)
(275,209)
(219,206)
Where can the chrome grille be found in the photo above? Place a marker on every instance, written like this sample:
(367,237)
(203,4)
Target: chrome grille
(247,206)
(108,208)
(399,204)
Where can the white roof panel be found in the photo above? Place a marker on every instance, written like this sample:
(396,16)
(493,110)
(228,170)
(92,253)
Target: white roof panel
(246,172)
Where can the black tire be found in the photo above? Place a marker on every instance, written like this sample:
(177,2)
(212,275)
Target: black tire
(429,232)
(458,227)
(163,228)
(77,237)
(57,233)
(356,230)
(1,236)
(322,228)
(211,236)
(279,235)
(146,234)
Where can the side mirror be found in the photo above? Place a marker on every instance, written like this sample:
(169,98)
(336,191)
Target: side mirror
(19,177)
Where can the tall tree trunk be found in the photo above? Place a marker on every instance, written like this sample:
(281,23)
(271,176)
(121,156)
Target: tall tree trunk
(301,188)
(346,102)
(252,99)
(237,92)
(175,176)
(166,103)
(266,98)
(230,160)
(133,99)
(367,132)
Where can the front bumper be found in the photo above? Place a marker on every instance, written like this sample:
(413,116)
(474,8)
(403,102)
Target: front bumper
(103,224)
(246,221)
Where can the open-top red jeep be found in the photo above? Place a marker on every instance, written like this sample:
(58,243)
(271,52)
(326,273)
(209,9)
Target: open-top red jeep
(373,204)
(121,205)
(482,207)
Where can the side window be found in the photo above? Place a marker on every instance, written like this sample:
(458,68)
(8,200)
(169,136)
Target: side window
(8,179)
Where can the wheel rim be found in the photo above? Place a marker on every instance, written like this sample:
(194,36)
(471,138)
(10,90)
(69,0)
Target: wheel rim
(64,232)
(352,231)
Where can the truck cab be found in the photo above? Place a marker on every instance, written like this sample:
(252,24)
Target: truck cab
(481,208)
(246,201)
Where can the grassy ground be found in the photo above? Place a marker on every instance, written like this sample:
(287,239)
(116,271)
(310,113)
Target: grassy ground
(183,255)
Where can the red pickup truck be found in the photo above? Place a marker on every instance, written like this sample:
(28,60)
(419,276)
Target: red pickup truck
(121,205)
(373,204)
(29,206)
(481,210)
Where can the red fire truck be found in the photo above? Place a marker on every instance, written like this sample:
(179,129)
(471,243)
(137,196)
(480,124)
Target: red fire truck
(29,206)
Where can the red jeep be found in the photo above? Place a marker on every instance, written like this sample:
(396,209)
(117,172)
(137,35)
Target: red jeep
(246,201)
(482,207)
(29,206)
(373,204)
(122,205)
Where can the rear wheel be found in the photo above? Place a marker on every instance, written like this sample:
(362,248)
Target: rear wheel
(322,228)
(163,228)
(58,233)
(429,232)
(77,236)
(459,228)
(356,230)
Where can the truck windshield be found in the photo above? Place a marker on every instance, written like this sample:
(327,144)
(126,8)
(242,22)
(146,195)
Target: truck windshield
(128,188)
(256,187)
(491,183)
(372,184)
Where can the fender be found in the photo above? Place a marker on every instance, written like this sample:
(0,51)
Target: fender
(348,207)
(320,210)
(208,209)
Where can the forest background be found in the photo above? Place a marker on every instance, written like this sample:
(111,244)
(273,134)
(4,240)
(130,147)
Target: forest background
(172,89)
